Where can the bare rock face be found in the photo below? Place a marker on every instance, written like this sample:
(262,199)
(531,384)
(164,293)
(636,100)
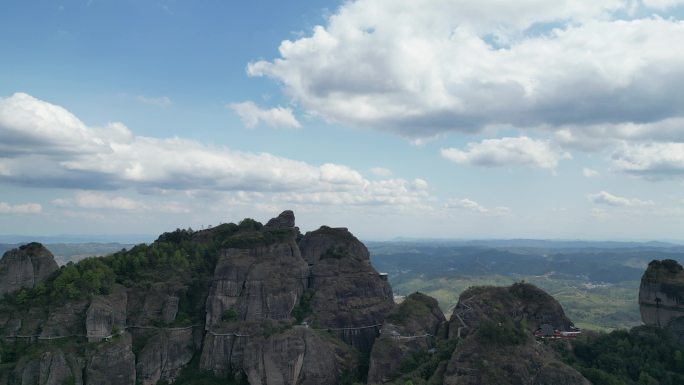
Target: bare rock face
(496,325)
(262,282)
(349,296)
(25,266)
(412,326)
(164,355)
(66,320)
(286,220)
(661,294)
(111,362)
(106,314)
(158,303)
(253,294)
(51,368)
(298,356)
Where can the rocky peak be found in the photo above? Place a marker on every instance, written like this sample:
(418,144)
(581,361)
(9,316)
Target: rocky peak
(25,266)
(661,294)
(286,220)
(496,325)
(329,242)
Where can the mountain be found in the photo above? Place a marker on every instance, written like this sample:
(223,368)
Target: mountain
(267,305)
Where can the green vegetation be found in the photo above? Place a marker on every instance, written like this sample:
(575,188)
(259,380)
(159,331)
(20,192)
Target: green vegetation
(643,355)
(303,308)
(334,253)
(193,375)
(229,315)
(414,306)
(502,333)
(424,368)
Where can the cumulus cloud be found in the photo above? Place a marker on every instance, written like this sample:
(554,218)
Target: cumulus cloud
(651,160)
(98,200)
(471,205)
(23,208)
(606,198)
(520,151)
(251,115)
(422,68)
(590,173)
(46,145)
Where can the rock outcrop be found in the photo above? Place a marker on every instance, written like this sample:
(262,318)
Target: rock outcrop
(106,315)
(412,326)
(165,354)
(53,367)
(349,296)
(111,363)
(279,309)
(496,325)
(25,267)
(299,356)
(661,294)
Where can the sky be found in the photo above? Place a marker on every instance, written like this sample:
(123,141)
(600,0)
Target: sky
(424,119)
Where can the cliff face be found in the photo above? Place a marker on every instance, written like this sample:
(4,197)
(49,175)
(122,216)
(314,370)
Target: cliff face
(661,294)
(348,295)
(25,267)
(413,326)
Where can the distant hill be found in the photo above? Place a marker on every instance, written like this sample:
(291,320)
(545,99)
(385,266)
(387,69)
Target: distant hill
(73,252)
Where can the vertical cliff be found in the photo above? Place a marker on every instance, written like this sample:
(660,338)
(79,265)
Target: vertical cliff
(25,267)
(661,294)
(348,296)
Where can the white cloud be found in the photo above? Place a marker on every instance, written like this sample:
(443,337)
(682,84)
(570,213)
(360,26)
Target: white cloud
(662,4)
(162,101)
(651,160)
(381,172)
(24,208)
(98,200)
(471,205)
(251,115)
(53,148)
(520,151)
(606,198)
(421,68)
(590,173)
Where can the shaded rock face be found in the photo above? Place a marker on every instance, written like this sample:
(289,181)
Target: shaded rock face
(661,294)
(52,368)
(286,220)
(517,302)
(496,325)
(165,355)
(106,314)
(412,326)
(298,356)
(159,303)
(348,293)
(25,266)
(264,282)
(111,363)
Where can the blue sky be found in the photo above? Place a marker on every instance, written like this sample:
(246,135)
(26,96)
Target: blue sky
(451,119)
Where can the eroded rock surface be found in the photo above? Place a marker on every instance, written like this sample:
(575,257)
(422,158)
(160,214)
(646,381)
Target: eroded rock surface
(661,294)
(496,325)
(349,296)
(412,326)
(25,266)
